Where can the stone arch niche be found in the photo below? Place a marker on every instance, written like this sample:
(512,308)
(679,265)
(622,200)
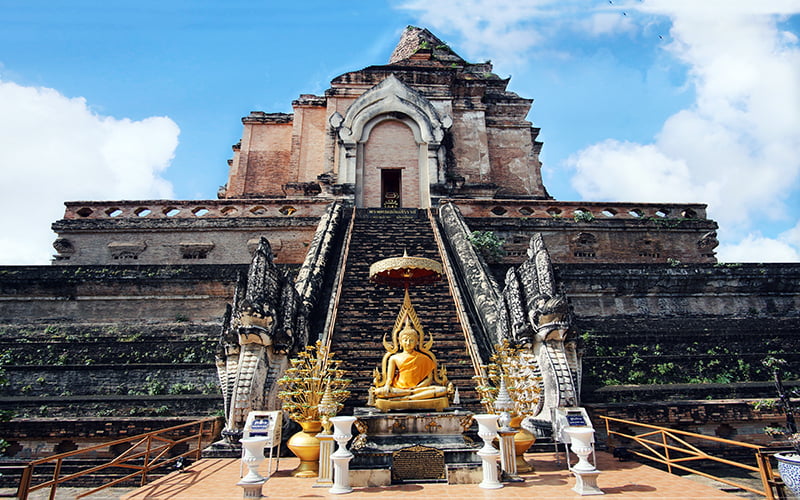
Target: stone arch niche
(392,115)
(391,163)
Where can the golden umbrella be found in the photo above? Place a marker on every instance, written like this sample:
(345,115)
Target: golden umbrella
(402,272)
(405,271)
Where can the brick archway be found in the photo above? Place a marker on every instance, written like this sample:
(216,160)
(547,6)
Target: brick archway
(391,100)
(391,161)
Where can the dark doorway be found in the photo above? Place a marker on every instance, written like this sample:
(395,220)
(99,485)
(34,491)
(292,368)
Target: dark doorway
(390,188)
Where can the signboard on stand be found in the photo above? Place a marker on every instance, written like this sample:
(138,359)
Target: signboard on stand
(563,418)
(264,424)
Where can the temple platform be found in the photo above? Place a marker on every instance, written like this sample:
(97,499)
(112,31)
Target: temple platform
(216,479)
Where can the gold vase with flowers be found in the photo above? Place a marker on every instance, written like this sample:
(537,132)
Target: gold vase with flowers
(518,368)
(304,385)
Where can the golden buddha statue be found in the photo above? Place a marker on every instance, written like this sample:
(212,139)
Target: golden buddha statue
(410,378)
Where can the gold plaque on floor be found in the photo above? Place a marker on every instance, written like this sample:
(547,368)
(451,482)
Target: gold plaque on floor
(418,463)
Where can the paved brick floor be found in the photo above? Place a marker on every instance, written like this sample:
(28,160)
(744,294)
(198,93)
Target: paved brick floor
(216,479)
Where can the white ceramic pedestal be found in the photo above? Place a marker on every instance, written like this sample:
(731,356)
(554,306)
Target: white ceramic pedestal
(342,456)
(253,457)
(585,473)
(487,430)
(253,482)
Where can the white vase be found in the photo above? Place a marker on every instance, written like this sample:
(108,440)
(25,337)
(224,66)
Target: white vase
(342,432)
(253,456)
(487,430)
(581,444)
(789,469)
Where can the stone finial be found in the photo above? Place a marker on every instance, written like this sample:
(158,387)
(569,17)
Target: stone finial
(415,39)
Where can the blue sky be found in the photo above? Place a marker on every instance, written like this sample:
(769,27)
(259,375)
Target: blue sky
(654,100)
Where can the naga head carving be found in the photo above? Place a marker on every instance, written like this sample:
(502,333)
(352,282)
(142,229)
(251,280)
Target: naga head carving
(256,326)
(552,318)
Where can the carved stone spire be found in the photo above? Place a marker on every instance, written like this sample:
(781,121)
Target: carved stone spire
(416,39)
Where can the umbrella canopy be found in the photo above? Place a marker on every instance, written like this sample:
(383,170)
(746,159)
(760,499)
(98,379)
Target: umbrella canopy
(405,271)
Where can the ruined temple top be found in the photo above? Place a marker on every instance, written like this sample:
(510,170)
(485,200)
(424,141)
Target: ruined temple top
(415,40)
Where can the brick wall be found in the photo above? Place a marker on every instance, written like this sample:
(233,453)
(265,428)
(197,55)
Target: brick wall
(604,241)
(510,157)
(308,142)
(87,294)
(110,379)
(40,437)
(469,146)
(264,161)
(223,232)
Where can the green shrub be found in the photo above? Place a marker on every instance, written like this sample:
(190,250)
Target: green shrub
(488,245)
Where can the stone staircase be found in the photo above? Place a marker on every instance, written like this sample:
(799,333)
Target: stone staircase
(367,311)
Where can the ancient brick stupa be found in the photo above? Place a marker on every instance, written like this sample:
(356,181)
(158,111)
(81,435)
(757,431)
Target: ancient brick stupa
(414,155)
(426,129)
(428,154)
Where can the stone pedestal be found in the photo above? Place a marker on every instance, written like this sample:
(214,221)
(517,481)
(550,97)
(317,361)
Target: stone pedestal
(325,477)
(586,482)
(487,430)
(251,490)
(508,458)
(414,447)
(342,456)
(585,473)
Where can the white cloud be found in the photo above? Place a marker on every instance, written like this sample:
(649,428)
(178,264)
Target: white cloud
(734,148)
(54,148)
(756,248)
(626,171)
(607,23)
(792,236)
(506,31)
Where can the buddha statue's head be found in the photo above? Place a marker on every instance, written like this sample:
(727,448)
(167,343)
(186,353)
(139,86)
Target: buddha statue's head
(408,337)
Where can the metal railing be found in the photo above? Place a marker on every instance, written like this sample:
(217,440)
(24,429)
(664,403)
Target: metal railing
(145,453)
(671,448)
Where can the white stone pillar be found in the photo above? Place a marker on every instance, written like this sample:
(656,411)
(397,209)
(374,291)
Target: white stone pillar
(325,477)
(342,456)
(508,457)
(487,430)
(585,473)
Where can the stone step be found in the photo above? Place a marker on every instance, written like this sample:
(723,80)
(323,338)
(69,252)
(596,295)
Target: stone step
(367,311)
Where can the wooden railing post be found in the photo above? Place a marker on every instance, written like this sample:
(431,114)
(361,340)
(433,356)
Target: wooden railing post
(199,441)
(765,471)
(147,459)
(666,451)
(25,483)
(56,474)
